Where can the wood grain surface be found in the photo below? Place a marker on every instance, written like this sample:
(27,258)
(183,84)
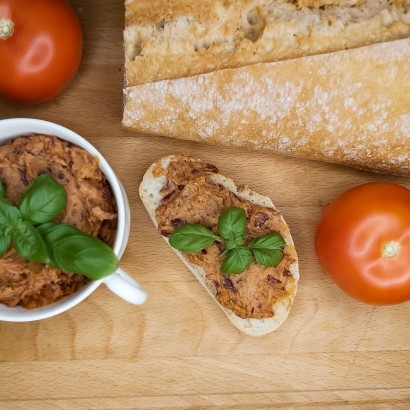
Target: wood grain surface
(178,351)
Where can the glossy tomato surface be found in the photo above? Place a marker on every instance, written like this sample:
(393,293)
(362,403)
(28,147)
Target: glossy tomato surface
(363,242)
(43,52)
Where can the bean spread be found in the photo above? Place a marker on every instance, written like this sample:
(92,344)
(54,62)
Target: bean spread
(189,197)
(90,207)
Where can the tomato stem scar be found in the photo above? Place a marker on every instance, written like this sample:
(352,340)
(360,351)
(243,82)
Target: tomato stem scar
(390,249)
(6,29)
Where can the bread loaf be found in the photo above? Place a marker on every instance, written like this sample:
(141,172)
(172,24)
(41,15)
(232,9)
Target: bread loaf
(171,39)
(349,107)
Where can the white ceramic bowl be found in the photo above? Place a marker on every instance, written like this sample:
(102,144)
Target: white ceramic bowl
(119,282)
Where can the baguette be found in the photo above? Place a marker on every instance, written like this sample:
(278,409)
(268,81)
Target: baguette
(348,107)
(158,186)
(171,39)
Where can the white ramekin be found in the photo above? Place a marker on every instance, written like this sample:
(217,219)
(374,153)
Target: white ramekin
(119,282)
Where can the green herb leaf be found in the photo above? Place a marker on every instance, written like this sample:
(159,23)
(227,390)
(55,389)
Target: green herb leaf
(76,252)
(43,200)
(51,232)
(5,239)
(28,242)
(192,238)
(232,224)
(237,260)
(85,255)
(9,214)
(268,249)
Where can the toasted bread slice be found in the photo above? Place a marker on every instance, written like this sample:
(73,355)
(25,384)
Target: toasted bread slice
(150,193)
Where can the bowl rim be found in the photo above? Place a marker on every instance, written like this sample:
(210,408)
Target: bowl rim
(16,127)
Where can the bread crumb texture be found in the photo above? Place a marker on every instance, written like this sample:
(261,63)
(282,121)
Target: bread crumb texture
(173,38)
(347,107)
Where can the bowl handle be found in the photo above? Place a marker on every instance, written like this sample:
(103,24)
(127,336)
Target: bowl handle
(124,286)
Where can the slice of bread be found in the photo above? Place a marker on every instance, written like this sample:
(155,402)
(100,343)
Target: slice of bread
(172,39)
(150,192)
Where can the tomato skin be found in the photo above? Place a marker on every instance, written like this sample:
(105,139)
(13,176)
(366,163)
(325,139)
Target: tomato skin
(44,52)
(355,235)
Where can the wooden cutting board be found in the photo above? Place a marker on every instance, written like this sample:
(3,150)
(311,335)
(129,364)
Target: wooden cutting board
(178,351)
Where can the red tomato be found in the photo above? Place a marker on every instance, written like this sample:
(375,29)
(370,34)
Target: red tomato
(363,242)
(40,48)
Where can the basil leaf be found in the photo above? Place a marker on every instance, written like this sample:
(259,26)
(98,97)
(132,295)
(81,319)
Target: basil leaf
(267,257)
(5,239)
(51,232)
(237,260)
(9,214)
(28,242)
(85,255)
(191,238)
(43,200)
(232,224)
(268,249)
(273,240)
(74,251)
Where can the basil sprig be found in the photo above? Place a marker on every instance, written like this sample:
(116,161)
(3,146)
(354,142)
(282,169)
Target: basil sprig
(266,250)
(28,228)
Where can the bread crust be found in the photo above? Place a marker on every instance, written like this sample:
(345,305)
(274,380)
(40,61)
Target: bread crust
(150,195)
(348,107)
(174,39)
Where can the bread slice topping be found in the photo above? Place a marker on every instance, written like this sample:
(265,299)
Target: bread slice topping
(189,196)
